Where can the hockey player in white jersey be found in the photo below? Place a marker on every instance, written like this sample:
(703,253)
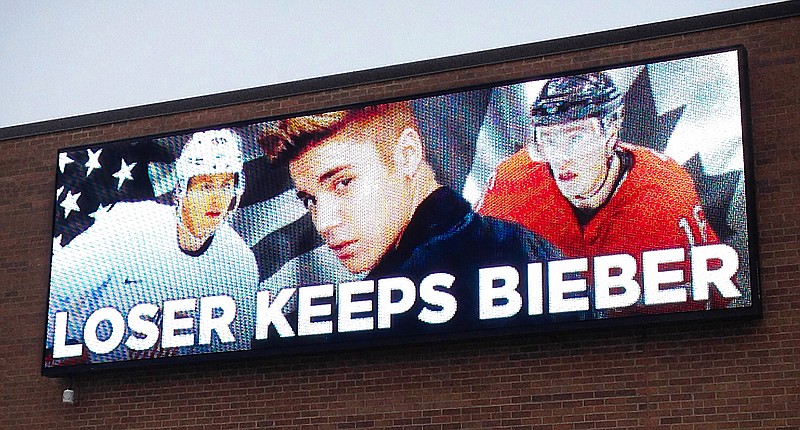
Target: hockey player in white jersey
(192,276)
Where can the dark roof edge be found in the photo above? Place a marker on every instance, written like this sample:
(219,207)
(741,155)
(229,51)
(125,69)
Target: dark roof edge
(417,68)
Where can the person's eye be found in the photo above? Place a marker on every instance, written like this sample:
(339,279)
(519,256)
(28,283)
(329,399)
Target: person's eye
(580,137)
(308,202)
(342,184)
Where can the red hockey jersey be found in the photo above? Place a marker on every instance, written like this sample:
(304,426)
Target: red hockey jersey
(655,207)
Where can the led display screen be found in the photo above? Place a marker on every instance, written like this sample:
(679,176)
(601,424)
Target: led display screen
(592,198)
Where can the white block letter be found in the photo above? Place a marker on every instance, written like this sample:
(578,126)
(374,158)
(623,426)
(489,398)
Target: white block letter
(702,277)
(501,301)
(173,323)
(220,324)
(139,324)
(653,279)
(559,287)
(430,295)
(60,347)
(348,307)
(535,289)
(272,313)
(117,323)
(306,311)
(386,307)
(604,282)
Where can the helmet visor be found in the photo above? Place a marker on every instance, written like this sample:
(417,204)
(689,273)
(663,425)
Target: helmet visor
(559,111)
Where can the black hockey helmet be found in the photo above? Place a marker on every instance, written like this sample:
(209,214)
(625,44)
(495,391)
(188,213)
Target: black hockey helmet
(575,97)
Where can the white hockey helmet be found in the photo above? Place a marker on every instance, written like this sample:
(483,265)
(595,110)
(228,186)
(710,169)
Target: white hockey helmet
(211,152)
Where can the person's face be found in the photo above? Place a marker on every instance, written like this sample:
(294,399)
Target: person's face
(578,153)
(357,202)
(208,198)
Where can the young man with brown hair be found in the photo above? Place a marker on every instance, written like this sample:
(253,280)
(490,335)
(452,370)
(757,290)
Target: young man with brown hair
(374,198)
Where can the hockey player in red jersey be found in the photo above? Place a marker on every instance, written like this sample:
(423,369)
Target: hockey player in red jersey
(590,194)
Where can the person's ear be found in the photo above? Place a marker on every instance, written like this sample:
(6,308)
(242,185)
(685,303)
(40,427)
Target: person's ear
(409,152)
(532,146)
(611,129)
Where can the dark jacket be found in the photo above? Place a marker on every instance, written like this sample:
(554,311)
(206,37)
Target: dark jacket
(446,235)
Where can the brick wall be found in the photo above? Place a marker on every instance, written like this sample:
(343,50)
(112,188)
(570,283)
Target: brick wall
(707,375)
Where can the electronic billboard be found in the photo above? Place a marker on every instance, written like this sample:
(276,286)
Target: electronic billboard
(590,198)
